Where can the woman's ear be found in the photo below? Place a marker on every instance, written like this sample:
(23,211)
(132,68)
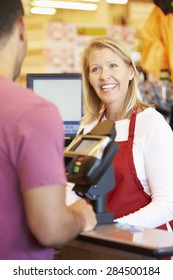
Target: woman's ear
(131,73)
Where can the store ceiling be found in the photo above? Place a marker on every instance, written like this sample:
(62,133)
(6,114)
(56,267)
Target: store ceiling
(27,2)
(28,6)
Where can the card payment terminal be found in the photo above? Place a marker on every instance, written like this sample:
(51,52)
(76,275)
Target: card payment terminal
(88,162)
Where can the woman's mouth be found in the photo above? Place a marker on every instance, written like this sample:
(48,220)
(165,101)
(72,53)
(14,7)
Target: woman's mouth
(107,87)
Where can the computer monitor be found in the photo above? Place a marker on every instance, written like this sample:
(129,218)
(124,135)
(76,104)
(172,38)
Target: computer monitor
(65,91)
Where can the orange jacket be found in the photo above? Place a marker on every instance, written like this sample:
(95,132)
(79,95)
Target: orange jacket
(157,36)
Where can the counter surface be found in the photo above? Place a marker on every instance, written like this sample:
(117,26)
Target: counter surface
(152,242)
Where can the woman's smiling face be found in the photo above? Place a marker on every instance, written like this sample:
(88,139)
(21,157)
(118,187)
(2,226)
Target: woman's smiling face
(109,75)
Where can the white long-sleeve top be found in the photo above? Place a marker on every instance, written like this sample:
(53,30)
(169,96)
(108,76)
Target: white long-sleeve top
(153,159)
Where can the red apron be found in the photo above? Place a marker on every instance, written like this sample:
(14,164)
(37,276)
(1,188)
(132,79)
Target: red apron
(128,195)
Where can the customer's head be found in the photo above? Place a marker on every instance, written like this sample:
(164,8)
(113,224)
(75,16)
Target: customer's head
(12,31)
(10,11)
(100,47)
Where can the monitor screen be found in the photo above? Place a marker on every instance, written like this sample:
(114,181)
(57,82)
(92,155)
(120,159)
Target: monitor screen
(65,91)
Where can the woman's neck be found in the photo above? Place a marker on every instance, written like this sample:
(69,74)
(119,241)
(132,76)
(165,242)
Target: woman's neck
(113,114)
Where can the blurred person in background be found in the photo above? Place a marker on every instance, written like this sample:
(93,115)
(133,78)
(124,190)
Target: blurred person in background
(157,55)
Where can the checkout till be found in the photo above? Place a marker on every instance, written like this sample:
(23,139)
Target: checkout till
(88,162)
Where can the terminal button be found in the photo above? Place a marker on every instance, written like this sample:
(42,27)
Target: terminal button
(76,169)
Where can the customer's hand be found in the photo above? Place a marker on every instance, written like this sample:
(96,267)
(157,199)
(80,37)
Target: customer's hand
(86,213)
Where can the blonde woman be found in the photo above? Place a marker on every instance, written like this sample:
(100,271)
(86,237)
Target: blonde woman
(143,194)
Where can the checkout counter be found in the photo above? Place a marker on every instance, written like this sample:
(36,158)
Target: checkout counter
(111,242)
(88,161)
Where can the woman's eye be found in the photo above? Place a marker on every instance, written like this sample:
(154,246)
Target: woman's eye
(94,69)
(113,65)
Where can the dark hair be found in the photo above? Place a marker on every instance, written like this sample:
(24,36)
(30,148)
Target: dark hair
(10,11)
(166,6)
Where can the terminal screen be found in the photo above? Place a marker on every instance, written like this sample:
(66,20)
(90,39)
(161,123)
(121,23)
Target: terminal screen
(86,146)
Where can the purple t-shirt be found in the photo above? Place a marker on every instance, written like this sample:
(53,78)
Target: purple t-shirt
(31,155)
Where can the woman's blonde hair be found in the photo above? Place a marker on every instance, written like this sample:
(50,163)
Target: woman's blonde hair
(92,105)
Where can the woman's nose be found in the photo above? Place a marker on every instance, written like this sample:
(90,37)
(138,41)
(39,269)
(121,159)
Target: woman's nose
(104,74)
